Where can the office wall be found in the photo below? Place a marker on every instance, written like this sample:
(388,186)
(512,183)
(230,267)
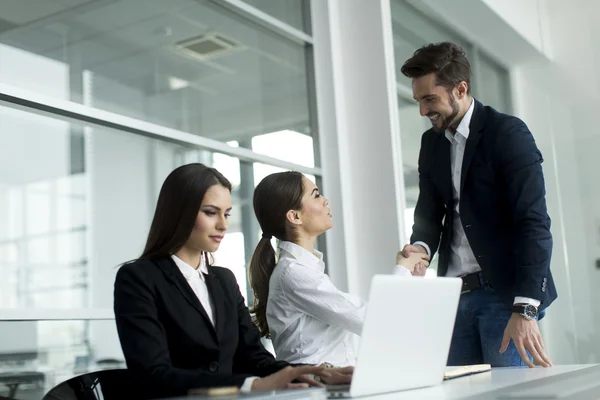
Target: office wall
(361,158)
(525,17)
(559,100)
(113,200)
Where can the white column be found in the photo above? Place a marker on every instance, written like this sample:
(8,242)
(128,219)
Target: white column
(359,137)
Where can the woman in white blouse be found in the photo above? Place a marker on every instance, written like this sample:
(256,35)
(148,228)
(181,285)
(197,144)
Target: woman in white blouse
(308,319)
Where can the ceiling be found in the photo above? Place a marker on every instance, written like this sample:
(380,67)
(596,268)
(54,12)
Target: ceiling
(19,12)
(136,69)
(133,67)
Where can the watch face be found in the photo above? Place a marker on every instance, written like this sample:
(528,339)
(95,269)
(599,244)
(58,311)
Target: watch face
(530,311)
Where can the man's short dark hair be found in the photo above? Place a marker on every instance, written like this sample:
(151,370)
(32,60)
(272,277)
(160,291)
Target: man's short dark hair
(445,59)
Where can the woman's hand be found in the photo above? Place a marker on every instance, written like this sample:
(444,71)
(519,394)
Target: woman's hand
(419,269)
(283,378)
(416,263)
(339,376)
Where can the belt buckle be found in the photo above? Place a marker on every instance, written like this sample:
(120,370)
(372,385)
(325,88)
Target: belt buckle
(463,290)
(465,284)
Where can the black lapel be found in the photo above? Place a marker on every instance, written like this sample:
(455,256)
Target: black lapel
(442,159)
(218,300)
(475,131)
(174,274)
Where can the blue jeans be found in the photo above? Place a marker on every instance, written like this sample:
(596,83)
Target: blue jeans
(478,331)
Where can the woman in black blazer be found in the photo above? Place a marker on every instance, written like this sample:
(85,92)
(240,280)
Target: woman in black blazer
(182,323)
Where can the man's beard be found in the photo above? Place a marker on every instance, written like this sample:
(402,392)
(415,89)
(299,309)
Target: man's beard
(446,121)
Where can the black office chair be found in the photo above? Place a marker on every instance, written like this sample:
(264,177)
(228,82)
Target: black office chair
(108,384)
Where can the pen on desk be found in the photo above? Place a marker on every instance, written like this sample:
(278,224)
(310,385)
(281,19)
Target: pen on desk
(216,391)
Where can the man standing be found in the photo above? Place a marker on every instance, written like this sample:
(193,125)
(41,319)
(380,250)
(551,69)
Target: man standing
(482,201)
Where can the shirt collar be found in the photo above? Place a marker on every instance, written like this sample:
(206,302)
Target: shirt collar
(305,257)
(188,271)
(463,126)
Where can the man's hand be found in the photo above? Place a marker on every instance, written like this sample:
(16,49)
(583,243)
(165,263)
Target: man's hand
(410,249)
(526,336)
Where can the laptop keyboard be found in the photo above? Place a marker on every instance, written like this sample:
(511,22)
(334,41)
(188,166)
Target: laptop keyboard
(338,391)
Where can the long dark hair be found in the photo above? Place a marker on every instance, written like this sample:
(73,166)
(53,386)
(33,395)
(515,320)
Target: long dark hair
(273,198)
(178,205)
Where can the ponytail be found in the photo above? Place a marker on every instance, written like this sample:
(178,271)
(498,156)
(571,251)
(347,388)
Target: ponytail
(260,270)
(274,196)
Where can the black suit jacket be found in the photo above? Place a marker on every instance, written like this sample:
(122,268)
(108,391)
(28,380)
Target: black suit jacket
(502,204)
(168,340)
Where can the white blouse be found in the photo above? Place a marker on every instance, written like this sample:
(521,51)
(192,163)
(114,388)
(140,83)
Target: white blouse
(196,280)
(310,320)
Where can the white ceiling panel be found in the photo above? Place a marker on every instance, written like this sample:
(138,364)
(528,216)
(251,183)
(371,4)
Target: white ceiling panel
(72,3)
(125,12)
(25,11)
(129,45)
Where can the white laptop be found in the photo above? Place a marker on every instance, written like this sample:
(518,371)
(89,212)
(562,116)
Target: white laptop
(406,335)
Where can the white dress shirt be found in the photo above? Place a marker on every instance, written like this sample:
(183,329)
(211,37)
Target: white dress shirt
(195,278)
(310,320)
(462,260)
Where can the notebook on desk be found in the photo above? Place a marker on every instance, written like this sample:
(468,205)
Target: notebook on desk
(455,372)
(406,335)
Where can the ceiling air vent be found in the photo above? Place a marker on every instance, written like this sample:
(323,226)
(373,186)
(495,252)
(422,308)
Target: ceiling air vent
(208,46)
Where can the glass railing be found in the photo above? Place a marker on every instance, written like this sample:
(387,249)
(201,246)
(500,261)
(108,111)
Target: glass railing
(41,348)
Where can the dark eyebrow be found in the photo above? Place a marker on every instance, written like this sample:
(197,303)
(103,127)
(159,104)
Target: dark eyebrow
(215,207)
(314,190)
(428,95)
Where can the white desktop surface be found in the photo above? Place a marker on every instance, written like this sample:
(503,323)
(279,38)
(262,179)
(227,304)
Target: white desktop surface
(483,386)
(479,384)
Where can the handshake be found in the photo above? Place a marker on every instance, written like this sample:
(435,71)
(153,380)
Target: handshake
(414,258)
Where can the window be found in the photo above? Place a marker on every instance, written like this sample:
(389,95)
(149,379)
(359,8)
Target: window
(411,30)
(495,85)
(294,12)
(189,65)
(101,100)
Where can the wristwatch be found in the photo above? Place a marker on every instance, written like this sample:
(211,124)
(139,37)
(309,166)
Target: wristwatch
(528,311)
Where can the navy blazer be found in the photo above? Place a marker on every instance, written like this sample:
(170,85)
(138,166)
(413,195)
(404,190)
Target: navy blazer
(502,204)
(166,335)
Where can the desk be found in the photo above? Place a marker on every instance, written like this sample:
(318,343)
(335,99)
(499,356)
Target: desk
(557,382)
(564,382)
